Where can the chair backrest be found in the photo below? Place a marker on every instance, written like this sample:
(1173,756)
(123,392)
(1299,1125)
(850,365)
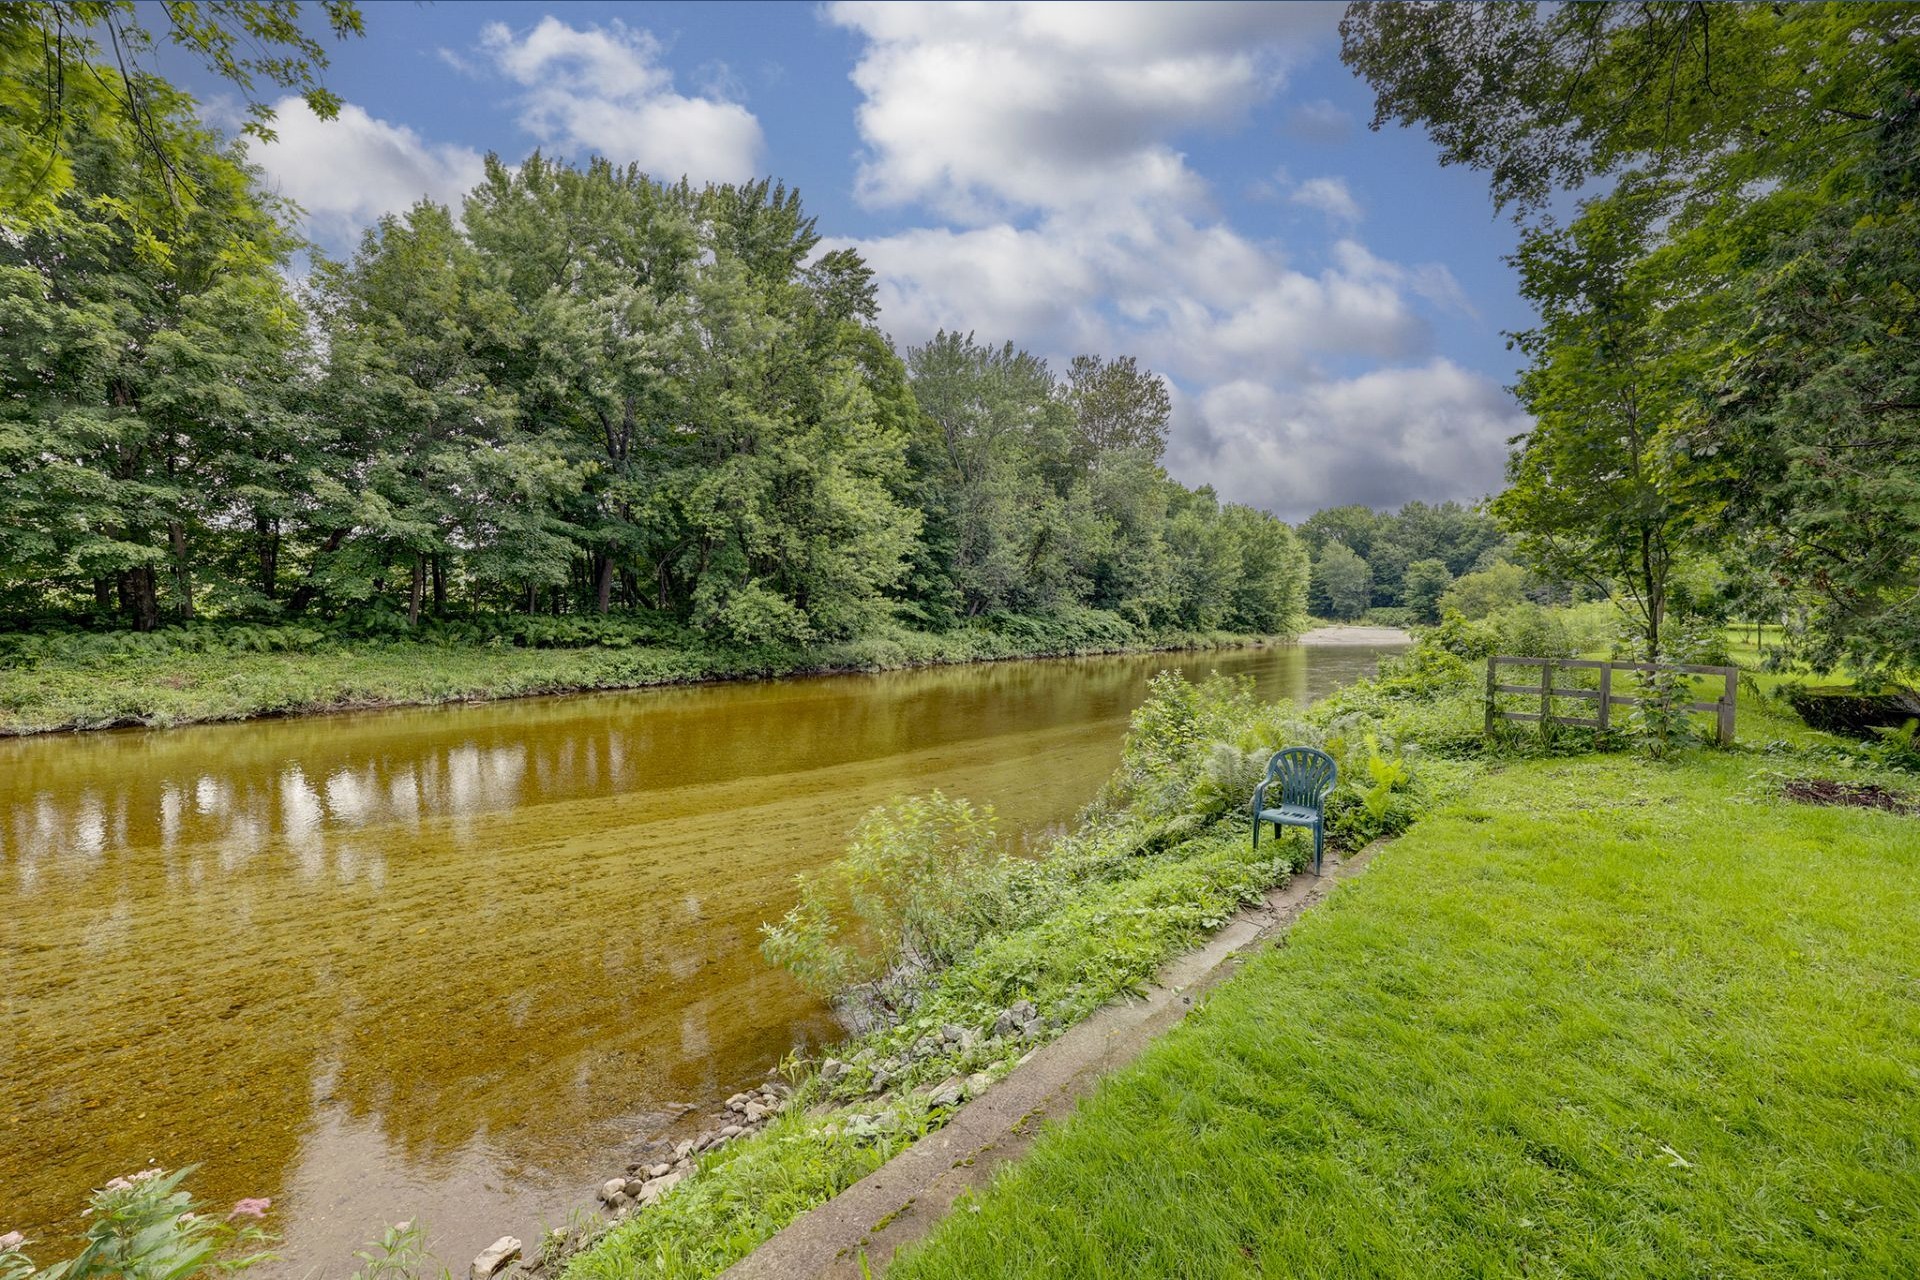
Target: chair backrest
(1306,775)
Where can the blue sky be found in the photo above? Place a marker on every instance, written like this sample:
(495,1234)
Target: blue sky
(1192,184)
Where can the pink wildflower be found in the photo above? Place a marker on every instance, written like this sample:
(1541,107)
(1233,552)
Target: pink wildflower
(145,1174)
(252,1207)
(118,1184)
(11,1241)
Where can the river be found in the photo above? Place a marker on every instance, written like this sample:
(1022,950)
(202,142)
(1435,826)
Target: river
(453,963)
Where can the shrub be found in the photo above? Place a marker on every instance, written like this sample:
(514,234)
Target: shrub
(144,1227)
(923,880)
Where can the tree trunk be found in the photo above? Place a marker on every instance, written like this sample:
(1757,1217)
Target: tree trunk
(182,571)
(307,590)
(140,597)
(266,550)
(602,581)
(103,594)
(533,598)
(415,588)
(439,586)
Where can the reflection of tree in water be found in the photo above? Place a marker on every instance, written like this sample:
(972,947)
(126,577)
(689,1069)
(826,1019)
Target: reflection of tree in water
(511,923)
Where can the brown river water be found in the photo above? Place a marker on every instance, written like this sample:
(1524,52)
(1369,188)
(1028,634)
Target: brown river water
(452,964)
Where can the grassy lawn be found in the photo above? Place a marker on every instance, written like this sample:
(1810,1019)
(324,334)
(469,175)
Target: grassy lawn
(1603,1018)
(90,682)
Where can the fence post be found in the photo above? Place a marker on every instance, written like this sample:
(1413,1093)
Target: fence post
(1606,696)
(1492,715)
(1546,699)
(1726,706)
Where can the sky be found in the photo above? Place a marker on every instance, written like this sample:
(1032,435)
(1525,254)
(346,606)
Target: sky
(1192,184)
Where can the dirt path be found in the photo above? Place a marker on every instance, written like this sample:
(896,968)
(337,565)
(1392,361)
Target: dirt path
(901,1201)
(1341,634)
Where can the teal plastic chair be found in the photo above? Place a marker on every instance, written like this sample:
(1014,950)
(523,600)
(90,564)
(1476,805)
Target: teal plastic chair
(1305,779)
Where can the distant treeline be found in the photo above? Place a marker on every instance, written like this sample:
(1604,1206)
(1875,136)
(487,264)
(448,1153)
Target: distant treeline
(1406,561)
(585,391)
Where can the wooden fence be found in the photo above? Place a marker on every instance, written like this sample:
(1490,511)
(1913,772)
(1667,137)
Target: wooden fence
(1604,696)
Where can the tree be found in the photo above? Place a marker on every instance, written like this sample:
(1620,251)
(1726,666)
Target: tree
(134,359)
(1342,586)
(1721,97)
(1771,264)
(1814,443)
(1002,433)
(1117,406)
(434,468)
(1269,594)
(1477,594)
(1354,527)
(1593,489)
(1426,582)
(56,89)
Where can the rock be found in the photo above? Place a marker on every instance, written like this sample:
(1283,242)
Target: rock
(737,1101)
(494,1258)
(1032,1029)
(1004,1025)
(968,1038)
(731,1131)
(832,1069)
(977,1083)
(880,1081)
(949,1093)
(651,1193)
(612,1189)
(951,1033)
(660,1170)
(756,1113)
(1023,1011)
(634,1186)
(682,1150)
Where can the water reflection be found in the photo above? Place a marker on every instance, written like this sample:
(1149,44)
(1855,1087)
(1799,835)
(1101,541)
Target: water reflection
(448,962)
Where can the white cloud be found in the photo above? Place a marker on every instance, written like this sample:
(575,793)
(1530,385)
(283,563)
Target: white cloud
(605,90)
(1431,431)
(348,171)
(1330,196)
(981,109)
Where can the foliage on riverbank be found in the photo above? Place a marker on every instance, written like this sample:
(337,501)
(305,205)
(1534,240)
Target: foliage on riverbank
(1161,859)
(69,680)
(145,1227)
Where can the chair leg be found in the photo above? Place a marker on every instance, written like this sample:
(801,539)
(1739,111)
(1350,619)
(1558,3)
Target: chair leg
(1256,833)
(1319,841)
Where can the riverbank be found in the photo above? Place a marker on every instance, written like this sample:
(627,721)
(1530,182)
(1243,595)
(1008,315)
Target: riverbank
(86,682)
(1612,837)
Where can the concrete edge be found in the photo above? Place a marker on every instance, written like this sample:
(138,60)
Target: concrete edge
(855,1235)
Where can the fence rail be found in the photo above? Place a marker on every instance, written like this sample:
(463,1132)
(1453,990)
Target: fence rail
(1604,698)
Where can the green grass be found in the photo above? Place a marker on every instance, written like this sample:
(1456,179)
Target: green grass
(93,682)
(1603,1018)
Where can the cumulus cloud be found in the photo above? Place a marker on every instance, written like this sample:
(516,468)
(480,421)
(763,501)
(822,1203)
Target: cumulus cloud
(348,171)
(1431,431)
(1330,196)
(605,90)
(1041,144)
(982,109)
